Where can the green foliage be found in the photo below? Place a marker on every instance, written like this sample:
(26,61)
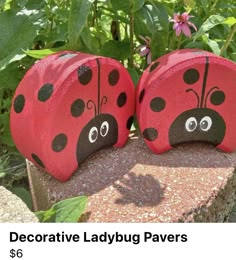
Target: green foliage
(69,210)
(33,29)
(24,194)
(78,14)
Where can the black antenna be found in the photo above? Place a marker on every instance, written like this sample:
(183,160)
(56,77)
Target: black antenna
(204,82)
(196,94)
(103,101)
(91,104)
(99,85)
(209,94)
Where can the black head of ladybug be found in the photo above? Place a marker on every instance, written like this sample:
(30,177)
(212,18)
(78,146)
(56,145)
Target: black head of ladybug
(201,123)
(99,133)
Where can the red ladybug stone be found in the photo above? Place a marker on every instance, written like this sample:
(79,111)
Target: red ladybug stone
(187,96)
(68,106)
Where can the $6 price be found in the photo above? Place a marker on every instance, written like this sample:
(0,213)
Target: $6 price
(16,253)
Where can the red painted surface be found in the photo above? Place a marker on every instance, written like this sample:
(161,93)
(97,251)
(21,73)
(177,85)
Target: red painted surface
(187,96)
(64,94)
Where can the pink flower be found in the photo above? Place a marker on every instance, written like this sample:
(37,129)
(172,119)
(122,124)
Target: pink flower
(145,49)
(182,24)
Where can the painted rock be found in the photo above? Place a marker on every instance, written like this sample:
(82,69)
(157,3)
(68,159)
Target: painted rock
(67,107)
(188,96)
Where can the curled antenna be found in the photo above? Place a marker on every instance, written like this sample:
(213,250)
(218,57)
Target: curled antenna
(91,105)
(196,94)
(103,101)
(208,93)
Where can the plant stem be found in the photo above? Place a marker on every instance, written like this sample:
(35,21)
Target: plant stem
(131,34)
(228,40)
(179,41)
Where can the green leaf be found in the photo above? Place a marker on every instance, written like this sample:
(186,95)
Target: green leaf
(79,11)
(86,37)
(17,33)
(121,5)
(2,174)
(12,74)
(40,54)
(212,44)
(24,195)
(2,3)
(119,50)
(127,5)
(230,21)
(68,210)
(46,216)
(143,22)
(137,4)
(210,23)
(190,3)
(134,75)
(204,5)
(158,44)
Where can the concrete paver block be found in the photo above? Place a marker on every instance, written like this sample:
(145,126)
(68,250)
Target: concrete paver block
(13,209)
(191,183)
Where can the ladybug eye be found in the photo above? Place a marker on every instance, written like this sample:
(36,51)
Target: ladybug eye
(93,134)
(191,124)
(104,129)
(205,123)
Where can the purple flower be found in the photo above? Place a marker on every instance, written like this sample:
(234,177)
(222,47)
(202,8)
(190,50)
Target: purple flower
(145,49)
(182,24)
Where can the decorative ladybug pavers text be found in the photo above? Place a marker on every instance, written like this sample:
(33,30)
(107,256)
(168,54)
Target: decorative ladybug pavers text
(68,106)
(187,96)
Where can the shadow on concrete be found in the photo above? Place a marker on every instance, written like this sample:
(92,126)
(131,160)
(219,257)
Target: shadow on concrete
(142,190)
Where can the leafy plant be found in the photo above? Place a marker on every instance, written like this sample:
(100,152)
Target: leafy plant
(69,210)
(32,29)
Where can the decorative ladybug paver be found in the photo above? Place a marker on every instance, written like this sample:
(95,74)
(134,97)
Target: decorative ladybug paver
(187,96)
(68,106)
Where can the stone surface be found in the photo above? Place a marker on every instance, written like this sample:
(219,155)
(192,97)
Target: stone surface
(190,183)
(13,209)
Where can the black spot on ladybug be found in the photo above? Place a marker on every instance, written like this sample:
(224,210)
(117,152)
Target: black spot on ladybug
(217,98)
(113,77)
(141,96)
(150,134)
(129,122)
(154,65)
(77,108)
(85,74)
(19,103)
(200,124)
(121,100)
(191,76)
(37,160)
(45,92)
(59,142)
(99,133)
(157,104)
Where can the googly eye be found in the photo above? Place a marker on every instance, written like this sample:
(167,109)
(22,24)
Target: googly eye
(104,129)
(205,123)
(191,124)
(93,134)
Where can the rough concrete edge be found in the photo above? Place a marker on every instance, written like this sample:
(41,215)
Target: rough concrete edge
(32,193)
(218,208)
(32,186)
